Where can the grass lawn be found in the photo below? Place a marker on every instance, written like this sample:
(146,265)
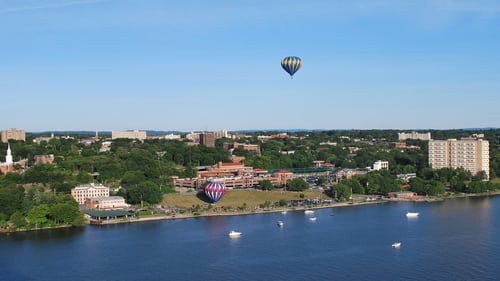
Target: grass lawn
(236,198)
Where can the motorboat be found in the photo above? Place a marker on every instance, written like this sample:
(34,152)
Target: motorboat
(280,223)
(284,212)
(312,219)
(234,234)
(411,215)
(308,212)
(396,244)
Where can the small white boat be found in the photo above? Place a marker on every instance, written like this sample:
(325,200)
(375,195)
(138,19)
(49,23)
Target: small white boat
(280,223)
(312,219)
(234,234)
(308,212)
(284,212)
(412,215)
(396,244)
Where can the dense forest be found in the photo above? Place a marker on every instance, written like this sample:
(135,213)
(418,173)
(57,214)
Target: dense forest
(141,170)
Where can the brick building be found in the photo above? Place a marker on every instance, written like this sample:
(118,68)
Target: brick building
(13,134)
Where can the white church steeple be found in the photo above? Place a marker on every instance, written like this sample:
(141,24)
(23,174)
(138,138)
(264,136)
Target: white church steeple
(8,157)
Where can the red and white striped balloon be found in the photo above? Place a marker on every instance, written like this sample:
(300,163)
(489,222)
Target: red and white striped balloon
(215,191)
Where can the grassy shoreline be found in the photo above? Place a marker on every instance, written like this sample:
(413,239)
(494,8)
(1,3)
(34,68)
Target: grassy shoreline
(251,198)
(236,199)
(253,212)
(238,203)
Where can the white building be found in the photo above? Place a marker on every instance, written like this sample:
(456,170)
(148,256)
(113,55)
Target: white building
(105,146)
(82,192)
(222,134)
(471,154)
(414,136)
(111,202)
(379,165)
(39,140)
(172,137)
(139,135)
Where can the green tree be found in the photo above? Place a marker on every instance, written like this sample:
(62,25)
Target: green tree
(10,179)
(283,202)
(64,213)
(37,215)
(11,200)
(417,185)
(342,192)
(144,192)
(267,204)
(435,188)
(131,178)
(297,184)
(266,185)
(426,187)
(17,220)
(354,185)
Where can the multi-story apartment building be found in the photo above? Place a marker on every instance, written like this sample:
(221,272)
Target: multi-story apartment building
(139,135)
(221,134)
(414,136)
(207,139)
(439,154)
(84,191)
(13,134)
(471,154)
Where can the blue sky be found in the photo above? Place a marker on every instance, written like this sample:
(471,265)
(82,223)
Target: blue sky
(209,65)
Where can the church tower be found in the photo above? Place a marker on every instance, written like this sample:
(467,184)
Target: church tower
(8,157)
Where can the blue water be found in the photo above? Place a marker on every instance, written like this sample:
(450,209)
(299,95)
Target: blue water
(455,239)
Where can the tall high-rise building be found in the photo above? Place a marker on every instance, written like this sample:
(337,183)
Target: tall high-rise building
(469,153)
(207,139)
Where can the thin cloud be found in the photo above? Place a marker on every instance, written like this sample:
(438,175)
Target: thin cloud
(7,7)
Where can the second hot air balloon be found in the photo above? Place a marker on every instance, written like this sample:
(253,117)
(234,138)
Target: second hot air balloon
(291,65)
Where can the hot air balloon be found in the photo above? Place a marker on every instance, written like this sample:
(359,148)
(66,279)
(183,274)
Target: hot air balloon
(215,191)
(291,65)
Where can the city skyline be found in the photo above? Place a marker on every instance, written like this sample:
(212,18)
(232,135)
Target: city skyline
(104,65)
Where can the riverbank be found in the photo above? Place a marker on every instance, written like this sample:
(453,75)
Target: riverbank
(358,201)
(237,213)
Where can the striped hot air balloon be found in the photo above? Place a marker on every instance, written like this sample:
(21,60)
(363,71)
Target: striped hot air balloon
(215,191)
(291,65)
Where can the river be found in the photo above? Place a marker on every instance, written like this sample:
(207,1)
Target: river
(455,239)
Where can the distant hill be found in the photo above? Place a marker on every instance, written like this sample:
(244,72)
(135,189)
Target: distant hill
(246,131)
